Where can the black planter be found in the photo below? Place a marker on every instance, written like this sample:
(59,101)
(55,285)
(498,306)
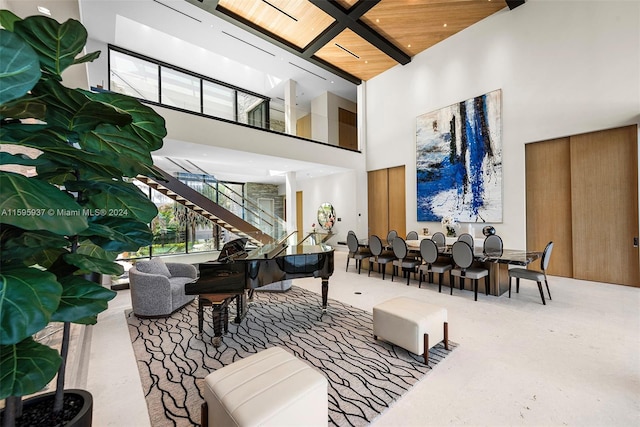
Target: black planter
(77,416)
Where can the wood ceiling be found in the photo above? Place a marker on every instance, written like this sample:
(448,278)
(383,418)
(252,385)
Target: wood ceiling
(355,39)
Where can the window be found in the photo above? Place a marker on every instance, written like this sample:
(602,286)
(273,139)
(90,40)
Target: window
(218,101)
(180,90)
(133,76)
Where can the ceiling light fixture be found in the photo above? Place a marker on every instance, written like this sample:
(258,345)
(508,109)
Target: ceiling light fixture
(280,10)
(347,50)
(444,25)
(44,10)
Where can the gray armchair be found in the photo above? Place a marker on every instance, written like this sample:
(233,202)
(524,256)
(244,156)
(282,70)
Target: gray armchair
(157,288)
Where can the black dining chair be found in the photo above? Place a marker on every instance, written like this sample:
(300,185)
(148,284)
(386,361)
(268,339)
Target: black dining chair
(492,245)
(439,239)
(536,276)
(404,262)
(356,252)
(378,255)
(412,235)
(430,265)
(390,236)
(467,238)
(463,259)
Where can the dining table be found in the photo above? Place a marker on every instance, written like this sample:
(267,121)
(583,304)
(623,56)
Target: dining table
(497,263)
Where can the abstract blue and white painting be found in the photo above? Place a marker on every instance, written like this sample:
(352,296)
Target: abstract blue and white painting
(459,161)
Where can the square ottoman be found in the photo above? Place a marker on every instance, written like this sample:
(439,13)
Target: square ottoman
(269,388)
(411,324)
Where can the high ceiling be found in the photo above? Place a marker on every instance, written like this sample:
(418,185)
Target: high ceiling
(355,39)
(269,50)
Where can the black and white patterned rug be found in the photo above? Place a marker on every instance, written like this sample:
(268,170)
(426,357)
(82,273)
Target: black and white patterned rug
(365,376)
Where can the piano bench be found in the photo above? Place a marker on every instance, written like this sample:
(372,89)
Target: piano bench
(411,324)
(269,388)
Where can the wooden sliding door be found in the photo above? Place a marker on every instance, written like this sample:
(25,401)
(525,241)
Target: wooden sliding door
(582,193)
(549,202)
(387,202)
(604,200)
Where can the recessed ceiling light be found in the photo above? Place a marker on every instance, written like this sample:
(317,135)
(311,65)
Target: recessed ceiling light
(409,45)
(44,10)
(444,25)
(377,20)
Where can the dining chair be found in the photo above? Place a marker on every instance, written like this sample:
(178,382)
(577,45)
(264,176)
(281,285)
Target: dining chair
(467,238)
(462,254)
(492,245)
(379,255)
(403,262)
(390,236)
(429,254)
(439,239)
(537,276)
(356,252)
(412,235)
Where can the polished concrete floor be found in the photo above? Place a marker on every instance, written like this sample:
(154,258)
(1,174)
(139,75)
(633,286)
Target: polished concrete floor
(575,361)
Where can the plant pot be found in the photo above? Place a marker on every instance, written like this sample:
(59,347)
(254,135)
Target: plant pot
(77,410)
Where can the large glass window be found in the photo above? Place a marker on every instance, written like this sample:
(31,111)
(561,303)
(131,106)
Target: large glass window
(218,101)
(133,76)
(180,90)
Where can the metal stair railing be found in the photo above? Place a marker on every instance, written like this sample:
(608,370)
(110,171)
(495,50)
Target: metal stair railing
(192,199)
(249,209)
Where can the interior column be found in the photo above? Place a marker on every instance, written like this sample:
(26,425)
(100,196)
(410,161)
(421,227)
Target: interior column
(290,114)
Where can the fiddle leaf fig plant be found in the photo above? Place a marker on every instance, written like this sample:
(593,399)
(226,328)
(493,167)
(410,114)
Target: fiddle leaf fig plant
(68,206)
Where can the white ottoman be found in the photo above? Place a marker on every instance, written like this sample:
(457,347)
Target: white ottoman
(269,388)
(411,324)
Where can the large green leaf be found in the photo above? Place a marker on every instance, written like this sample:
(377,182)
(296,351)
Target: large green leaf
(146,123)
(19,67)
(56,44)
(26,367)
(25,107)
(115,198)
(28,298)
(88,264)
(71,109)
(20,245)
(113,141)
(82,300)
(8,19)
(118,234)
(19,159)
(57,151)
(35,205)
(87,247)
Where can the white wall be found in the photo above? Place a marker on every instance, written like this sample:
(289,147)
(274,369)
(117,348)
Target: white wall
(564,67)
(341,190)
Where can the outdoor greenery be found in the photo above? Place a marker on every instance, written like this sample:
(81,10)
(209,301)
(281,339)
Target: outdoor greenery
(70,209)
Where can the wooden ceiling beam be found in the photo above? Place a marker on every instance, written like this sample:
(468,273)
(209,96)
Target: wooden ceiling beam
(514,3)
(211,6)
(351,19)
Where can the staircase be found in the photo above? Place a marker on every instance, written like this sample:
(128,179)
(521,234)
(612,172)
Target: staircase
(191,199)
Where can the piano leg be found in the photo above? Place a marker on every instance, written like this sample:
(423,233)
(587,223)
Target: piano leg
(325,292)
(219,316)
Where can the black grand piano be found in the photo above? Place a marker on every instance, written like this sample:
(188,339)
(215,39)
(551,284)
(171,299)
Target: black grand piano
(238,271)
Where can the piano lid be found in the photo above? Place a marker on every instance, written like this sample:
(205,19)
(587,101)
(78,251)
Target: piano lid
(290,245)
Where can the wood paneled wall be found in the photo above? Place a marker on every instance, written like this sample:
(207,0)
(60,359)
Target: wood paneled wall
(386,201)
(549,202)
(604,199)
(582,194)
(303,126)
(347,129)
